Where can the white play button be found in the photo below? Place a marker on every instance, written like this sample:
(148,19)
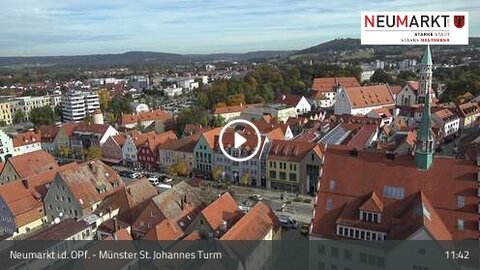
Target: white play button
(251,142)
(238,140)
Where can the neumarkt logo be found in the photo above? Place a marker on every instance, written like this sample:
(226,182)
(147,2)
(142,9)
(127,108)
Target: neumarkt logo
(405,28)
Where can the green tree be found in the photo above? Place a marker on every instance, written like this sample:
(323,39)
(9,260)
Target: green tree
(93,152)
(120,105)
(380,76)
(43,116)
(18,117)
(217,121)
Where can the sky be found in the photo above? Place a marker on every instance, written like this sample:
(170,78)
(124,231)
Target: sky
(68,27)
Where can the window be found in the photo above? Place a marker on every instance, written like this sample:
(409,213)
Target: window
(321,249)
(333,183)
(334,252)
(273,174)
(461,201)
(293,177)
(329,205)
(283,175)
(393,192)
(347,254)
(461,224)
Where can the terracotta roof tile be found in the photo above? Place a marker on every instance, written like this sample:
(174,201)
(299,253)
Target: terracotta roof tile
(21,203)
(222,209)
(370,96)
(91,128)
(289,99)
(370,171)
(254,225)
(229,109)
(328,84)
(25,138)
(33,163)
(158,114)
(292,150)
(48,133)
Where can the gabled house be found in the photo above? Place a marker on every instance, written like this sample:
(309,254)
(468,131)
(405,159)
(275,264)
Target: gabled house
(448,121)
(178,151)
(361,100)
(148,151)
(469,113)
(324,90)
(133,141)
(61,143)
(112,149)
(204,151)
(300,103)
(147,119)
(48,134)
(20,211)
(392,198)
(169,214)
(26,142)
(217,218)
(78,191)
(294,166)
(27,165)
(86,135)
(130,200)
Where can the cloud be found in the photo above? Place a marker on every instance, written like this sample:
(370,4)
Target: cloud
(50,27)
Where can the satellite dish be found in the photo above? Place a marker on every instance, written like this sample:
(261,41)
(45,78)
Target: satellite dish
(57,220)
(60,214)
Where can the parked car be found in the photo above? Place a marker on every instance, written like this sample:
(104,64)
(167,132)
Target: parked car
(124,173)
(165,178)
(288,222)
(135,175)
(256,197)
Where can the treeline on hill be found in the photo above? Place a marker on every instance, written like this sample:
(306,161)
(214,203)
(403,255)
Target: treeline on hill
(267,82)
(458,81)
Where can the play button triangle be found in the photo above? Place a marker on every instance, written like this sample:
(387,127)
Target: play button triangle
(238,140)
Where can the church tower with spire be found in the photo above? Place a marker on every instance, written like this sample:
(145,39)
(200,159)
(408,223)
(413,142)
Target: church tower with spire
(425,146)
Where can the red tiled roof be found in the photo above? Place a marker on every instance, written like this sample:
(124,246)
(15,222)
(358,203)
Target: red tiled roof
(328,84)
(85,180)
(222,209)
(396,89)
(25,138)
(289,99)
(144,116)
(254,225)
(360,139)
(154,140)
(369,96)
(48,133)
(373,204)
(292,150)
(186,144)
(24,207)
(33,163)
(469,109)
(229,109)
(372,172)
(209,136)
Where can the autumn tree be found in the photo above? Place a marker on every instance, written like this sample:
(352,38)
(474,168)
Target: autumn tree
(179,168)
(104,98)
(93,152)
(217,173)
(245,179)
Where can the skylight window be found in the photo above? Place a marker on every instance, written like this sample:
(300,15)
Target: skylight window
(393,192)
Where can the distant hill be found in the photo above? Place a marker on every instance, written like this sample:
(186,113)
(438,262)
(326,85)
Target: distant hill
(343,44)
(133,58)
(324,50)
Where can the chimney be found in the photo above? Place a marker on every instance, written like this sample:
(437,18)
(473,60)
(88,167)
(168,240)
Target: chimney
(354,152)
(25,183)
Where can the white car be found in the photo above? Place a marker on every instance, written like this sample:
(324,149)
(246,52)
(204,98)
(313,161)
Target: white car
(165,186)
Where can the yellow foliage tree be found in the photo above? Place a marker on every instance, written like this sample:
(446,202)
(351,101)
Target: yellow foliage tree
(104,98)
(179,168)
(245,179)
(94,152)
(217,173)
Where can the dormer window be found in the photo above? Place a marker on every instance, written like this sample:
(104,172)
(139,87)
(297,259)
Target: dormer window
(370,216)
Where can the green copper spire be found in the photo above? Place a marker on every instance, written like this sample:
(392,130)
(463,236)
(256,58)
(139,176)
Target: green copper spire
(425,143)
(427,57)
